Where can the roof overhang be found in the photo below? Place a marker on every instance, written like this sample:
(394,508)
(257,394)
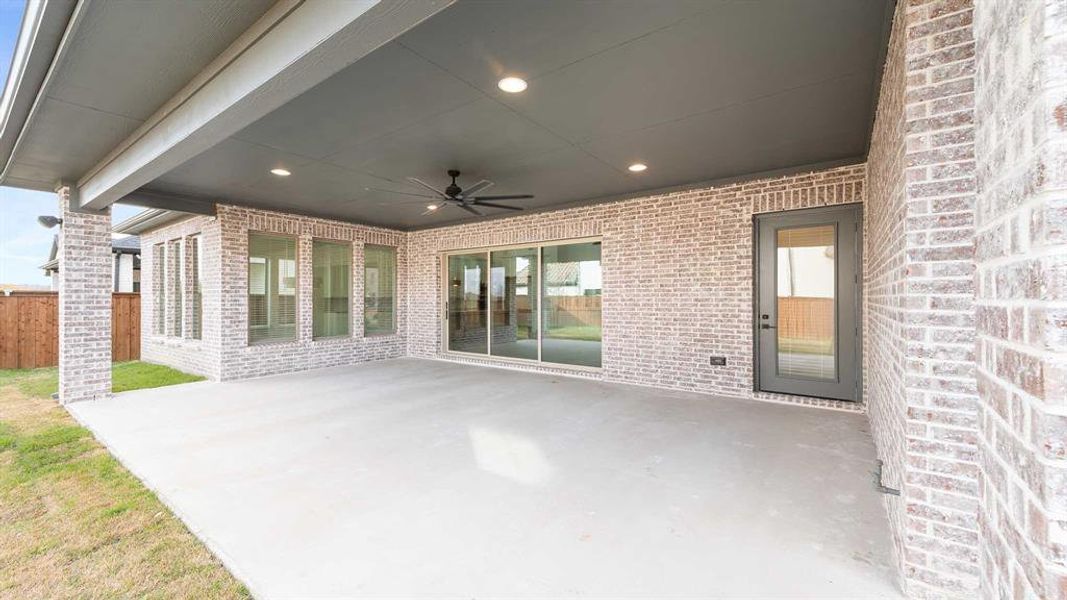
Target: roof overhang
(45,24)
(148,220)
(175,106)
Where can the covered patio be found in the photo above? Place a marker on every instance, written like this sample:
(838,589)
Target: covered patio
(853,205)
(413,477)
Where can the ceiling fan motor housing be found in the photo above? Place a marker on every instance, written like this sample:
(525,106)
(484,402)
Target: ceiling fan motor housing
(453,190)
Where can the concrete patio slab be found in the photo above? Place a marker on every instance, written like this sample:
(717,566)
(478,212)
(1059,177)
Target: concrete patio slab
(429,478)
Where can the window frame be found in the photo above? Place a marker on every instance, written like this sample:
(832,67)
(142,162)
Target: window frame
(195,289)
(396,282)
(442,275)
(296,287)
(351,264)
(174,281)
(159,289)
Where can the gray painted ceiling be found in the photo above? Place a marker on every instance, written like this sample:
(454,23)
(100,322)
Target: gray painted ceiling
(126,59)
(697,89)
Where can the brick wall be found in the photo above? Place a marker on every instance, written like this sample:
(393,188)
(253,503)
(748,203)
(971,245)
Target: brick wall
(885,284)
(86,271)
(920,296)
(941,487)
(223,351)
(200,356)
(1022,295)
(677,277)
(239,359)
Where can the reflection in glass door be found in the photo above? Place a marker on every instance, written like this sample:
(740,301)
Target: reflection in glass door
(513,285)
(805,302)
(808,302)
(571,324)
(467,303)
(539,303)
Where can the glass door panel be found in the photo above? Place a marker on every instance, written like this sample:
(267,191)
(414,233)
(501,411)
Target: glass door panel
(467,302)
(806,270)
(513,287)
(571,285)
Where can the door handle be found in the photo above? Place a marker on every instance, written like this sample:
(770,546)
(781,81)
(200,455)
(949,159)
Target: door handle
(766,326)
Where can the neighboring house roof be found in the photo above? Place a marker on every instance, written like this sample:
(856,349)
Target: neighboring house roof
(148,219)
(130,244)
(6,288)
(556,274)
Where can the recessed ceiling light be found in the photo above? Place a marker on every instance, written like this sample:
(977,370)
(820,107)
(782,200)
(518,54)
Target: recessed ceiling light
(637,167)
(431,207)
(512,85)
(281,172)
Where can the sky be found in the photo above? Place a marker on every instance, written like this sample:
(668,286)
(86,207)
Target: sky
(24,245)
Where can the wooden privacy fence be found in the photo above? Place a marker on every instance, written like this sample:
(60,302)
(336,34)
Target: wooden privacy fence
(804,318)
(29,329)
(572,311)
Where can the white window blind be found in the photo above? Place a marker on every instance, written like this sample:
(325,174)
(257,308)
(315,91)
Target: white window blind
(271,288)
(159,288)
(379,290)
(196,308)
(331,265)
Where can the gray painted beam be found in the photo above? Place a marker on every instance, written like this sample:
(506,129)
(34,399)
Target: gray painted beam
(150,199)
(295,46)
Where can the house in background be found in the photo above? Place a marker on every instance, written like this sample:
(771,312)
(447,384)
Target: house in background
(844,204)
(126,267)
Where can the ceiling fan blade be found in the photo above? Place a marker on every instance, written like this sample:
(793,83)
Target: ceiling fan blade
(474,189)
(374,189)
(471,209)
(506,197)
(494,205)
(417,181)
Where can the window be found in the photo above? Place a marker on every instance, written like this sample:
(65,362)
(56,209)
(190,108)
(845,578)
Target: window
(331,266)
(379,290)
(159,289)
(196,304)
(271,288)
(175,260)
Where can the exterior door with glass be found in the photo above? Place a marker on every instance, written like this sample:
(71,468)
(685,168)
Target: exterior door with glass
(808,299)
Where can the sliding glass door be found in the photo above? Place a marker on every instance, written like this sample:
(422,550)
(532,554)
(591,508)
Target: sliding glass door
(513,298)
(571,330)
(467,302)
(536,303)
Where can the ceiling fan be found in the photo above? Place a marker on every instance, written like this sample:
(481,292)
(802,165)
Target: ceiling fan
(467,199)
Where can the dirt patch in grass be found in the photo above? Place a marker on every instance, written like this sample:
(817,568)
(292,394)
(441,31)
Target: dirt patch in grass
(74,523)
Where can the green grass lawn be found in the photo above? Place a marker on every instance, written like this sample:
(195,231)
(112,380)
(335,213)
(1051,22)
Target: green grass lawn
(589,333)
(125,376)
(73,522)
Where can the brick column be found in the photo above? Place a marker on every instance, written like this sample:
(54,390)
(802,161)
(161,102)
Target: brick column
(85,280)
(305,276)
(940,485)
(1021,104)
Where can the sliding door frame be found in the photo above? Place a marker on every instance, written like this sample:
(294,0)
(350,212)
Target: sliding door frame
(487,251)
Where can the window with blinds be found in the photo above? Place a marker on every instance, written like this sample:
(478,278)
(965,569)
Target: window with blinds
(159,288)
(271,288)
(379,290)
(175,260)
(331,266)
(196,302)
